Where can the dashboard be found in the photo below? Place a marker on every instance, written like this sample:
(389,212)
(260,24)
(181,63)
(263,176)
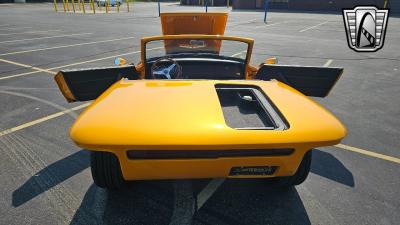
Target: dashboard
(207,68)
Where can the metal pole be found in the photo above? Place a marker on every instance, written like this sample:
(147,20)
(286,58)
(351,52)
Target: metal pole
(206,5)
(227,3)
(127,4)
(265,9)
(117,5)
(159,8)
(55,6)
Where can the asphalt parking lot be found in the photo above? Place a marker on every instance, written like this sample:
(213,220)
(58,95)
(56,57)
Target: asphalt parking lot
(45,178)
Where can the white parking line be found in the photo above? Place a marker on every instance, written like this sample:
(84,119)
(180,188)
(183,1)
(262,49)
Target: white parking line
(269,25)
(20,75)
(368,153)
(65,46)
(14,28)
(41,120)
(208,191)
(309,28)
(31,32)
(239,53)
(75,64)
(28,66)
(241,23)
(40,38)
(328,63)
(34,98)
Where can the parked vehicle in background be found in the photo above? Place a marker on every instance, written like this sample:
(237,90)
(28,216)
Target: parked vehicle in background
(110,2)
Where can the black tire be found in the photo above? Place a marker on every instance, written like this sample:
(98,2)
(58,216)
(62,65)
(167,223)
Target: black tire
(106,170)
(300,175)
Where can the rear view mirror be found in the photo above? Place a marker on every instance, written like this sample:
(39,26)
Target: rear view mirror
(88,84)
(272,60)
(120,61)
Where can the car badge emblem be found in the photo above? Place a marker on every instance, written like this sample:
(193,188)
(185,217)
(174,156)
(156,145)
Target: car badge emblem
(365,27)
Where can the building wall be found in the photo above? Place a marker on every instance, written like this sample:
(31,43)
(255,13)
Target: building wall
(394,6)
(202,2)
(316,5)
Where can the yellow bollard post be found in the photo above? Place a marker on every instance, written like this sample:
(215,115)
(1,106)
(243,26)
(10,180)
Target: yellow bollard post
(63,3)
(94,8)
(83,6)
(67,3)
(55,6)
(107,5)
(127,4)
(73,5)
(385,4)
(117,6)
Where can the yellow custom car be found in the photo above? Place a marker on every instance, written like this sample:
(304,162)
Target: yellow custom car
(195,108)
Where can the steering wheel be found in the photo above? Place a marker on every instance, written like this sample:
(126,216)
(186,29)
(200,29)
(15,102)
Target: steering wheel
(166,68)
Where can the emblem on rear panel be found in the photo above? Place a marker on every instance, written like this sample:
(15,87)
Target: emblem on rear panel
(365,27)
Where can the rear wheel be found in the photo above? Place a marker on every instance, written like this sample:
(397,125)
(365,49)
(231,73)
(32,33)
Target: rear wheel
(106,170)
(300,175)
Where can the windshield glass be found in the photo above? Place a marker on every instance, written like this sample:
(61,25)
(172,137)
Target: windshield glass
(196,48)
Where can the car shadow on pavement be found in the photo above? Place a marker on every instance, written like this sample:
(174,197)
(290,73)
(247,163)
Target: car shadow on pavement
(237,201)
(51,176)
(140,202)
(252,201)
(326,165)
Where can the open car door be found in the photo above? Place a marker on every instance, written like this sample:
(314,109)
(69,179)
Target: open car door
(309,80)
(88,84)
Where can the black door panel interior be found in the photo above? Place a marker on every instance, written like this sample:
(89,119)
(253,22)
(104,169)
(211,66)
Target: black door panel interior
(311,81)
(88,84)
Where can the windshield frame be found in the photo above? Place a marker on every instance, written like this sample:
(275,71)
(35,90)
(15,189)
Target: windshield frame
(248,41)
